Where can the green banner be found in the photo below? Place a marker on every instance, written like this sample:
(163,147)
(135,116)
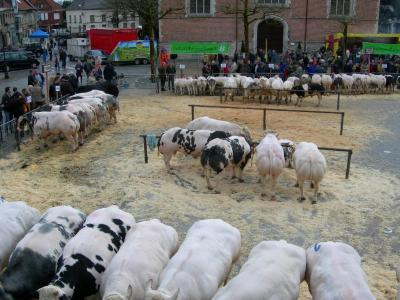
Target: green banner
(377,48)
(199,48)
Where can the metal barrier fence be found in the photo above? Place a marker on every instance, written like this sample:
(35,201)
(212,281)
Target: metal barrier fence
(9,135)
(265,109)
(348,151)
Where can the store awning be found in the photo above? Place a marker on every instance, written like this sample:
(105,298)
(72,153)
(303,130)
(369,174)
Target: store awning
(39,34)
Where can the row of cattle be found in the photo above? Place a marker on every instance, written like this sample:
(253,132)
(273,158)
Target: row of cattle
(223,145)
(73,118)
(66,255)
(303,86)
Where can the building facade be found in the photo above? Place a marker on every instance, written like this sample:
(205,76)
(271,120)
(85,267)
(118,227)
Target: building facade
(51,14)
(279,25)
(82,15)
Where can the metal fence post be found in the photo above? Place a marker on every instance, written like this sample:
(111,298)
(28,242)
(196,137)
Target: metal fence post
(220,94)
(146,158)
(341,123)
(338,101)
(348,163)
(264,119)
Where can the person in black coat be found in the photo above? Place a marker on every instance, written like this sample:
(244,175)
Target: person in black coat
(109,72)
(31,78)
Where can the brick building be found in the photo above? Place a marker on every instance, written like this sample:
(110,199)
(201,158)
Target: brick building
(283,26)
(51,14)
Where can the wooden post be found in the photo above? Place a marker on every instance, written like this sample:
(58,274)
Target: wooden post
(348,163)
(192,112)
(146,158)
(264,119)
(341,123)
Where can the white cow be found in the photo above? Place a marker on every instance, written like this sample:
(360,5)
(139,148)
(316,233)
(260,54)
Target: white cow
(270,160)
(309,164)
(274,270)
(207,123)
(147,249)
(16,218)
(334,273)
(201,264)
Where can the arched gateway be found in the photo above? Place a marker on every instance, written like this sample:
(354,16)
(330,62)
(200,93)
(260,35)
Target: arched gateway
(271,33)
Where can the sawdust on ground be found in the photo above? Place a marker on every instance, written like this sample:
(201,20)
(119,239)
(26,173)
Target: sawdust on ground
(110,169)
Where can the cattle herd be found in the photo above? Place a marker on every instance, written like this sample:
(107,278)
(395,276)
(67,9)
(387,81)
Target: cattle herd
(72,118)
(66,255)
(274,88)
(222,145)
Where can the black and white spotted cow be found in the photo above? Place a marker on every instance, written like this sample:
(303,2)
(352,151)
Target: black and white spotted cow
(87,255)
(33,262)
(189,142)
(219,154)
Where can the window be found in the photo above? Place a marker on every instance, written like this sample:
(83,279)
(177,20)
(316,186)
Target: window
(125,25)
(92,26)
(70,18)
(44,16)
(84,27)
(200,7)
(103,18)
(272,2)
(75,19)
(340,8)
(80,19)
(133,25)
(91,18)
(104,25)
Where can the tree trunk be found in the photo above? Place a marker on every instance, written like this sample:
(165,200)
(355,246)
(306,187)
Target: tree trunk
(152,52)
(246,30)
(344,45)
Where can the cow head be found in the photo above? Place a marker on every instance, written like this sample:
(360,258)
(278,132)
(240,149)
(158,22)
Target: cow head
(159,294)
(29,119)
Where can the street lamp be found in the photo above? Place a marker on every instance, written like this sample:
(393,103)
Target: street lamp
(6,76)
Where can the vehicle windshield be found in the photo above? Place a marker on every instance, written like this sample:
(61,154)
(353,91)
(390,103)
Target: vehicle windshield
(98,52)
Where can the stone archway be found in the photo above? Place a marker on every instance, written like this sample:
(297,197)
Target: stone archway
(272,30)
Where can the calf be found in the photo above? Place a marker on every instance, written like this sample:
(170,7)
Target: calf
(309,164)
(53,123)
(274,270)
(334,272)
(207,123)
(219,153)
(87,255)
(33,262)
(189,142)
(270,161)
(16,218)
(201,264)
(308,90)
(145,253)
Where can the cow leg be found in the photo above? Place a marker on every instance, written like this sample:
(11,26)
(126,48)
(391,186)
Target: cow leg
(233,172)
(208,173)
(273,197)
(263,181)
(167,160)
(240,171)
(301,186)
(319,100)
(81,137)
(316,188)
(72,141)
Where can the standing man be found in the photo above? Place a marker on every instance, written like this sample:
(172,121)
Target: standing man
(171,71)
(63,58)
(79,70)
(109,72)
(162,75)
(5,103)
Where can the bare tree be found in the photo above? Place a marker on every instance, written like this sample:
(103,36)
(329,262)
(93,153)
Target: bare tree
(150,14)
(249,12)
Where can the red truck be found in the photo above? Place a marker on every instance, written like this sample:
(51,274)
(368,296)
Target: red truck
(107,39)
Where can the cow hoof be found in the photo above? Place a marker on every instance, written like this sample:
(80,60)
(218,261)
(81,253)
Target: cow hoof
(80,143)
(273,198)
(314,202)
(312,185)
(217,192)
(296,185)
(241,180)
(210,188)
(263,194)
(301,199)
(233,177)
(46,146)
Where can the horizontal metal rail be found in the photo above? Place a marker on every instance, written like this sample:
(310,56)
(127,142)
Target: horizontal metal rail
(265,109)
(348,151)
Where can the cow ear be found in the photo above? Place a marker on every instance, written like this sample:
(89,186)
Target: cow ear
(175,295)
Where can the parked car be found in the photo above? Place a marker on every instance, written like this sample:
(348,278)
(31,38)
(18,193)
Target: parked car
(35,48)
(92,54)
(19,59)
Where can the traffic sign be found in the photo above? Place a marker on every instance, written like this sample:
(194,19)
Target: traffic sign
(46,68)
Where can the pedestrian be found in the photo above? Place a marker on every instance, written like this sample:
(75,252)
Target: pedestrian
(31,77)
(109,72)
(98,74)
(171,71)
(37,96)
(39,78)
(5,106)
(88,67)
(56,63)
(91,78)
(162,75)
(79,70)
(28,97)
(50,50)
(44,54)
(63,58)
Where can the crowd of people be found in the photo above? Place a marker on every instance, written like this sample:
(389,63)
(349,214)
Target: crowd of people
(296,62)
